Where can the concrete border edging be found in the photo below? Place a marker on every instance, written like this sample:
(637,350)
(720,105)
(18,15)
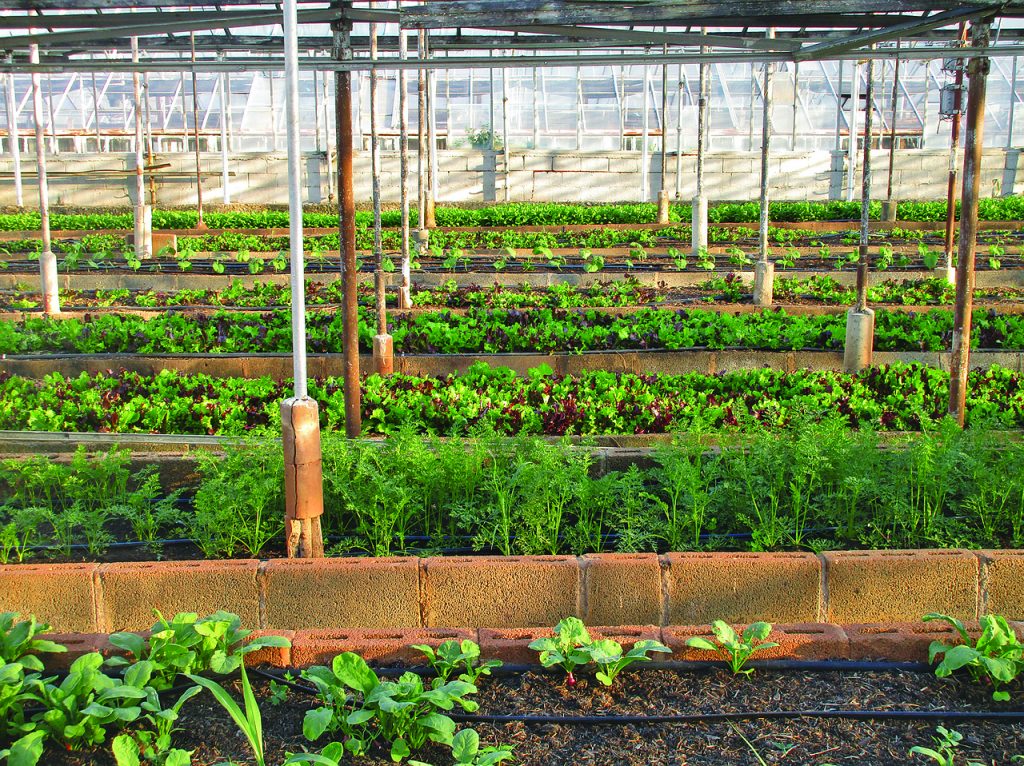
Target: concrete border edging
(841,587)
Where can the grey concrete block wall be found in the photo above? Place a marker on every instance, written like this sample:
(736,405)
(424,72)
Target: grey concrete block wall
(471,175)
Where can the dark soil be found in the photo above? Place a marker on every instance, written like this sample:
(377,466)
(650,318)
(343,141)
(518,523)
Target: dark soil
(207,730)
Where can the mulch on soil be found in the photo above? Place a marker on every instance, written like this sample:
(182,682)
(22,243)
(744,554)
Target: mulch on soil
(207,729)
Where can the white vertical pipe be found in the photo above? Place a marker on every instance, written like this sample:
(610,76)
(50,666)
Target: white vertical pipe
(143,247)
(15,139)
(490,105)
(852,148)
(679,131)
(404,294)
(505,140)
(47,260)
(579,108)
(224,117)
(645,191)
(1013,102)
(536,109)
(298,282)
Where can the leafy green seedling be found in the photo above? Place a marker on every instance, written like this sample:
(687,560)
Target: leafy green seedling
(737,648)
(997,657)
(18,642)
(451,656)
(567,649)
(944,750)
(611,661)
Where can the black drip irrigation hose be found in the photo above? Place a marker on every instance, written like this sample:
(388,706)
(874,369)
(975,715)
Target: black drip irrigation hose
(1004,716)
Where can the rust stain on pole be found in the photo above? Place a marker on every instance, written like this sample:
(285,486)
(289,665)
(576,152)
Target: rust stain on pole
(347,225)
(977,72)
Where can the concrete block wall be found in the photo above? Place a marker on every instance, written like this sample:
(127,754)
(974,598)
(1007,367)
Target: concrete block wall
(842,587)
(470,175)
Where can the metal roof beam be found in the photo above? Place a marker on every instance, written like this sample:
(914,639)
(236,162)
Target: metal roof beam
(633,37)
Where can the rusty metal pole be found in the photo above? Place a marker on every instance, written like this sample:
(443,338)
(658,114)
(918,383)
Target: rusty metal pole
(422,233)
(663,191)
(699,215)
(764,270)
(889,206)
(300,416)
(200,224)
(383,347)
(977,71)
(954,145)
(860,320)
(347,223)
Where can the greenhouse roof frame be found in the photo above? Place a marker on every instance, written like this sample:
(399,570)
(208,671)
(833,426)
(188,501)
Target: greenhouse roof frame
(71,33)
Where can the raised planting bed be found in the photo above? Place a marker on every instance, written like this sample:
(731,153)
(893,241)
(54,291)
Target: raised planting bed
(815,295)
(898,397)
(486,331)
(818,488)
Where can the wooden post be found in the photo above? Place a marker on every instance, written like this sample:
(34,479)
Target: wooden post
(143,215)
(303,476)
(977,71)
(699,215)
(347,223)
(764,270)
(954,147)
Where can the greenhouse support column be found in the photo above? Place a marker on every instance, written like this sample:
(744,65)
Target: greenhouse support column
(383,349)
(860,320)
(889,206)
(851,149)
(423,235)
(491,143)
(14,139)
(946,269)
(977,71)
(663,192)
(347,223)
(149,141)
(645,181)
(143,214)
(796,104)
(224,117)
(47,260)
(405,290)
(1013,102)
(200,224)
(300,419)
(431,145)
(579,108)
(536,111)
(679,130)
(764,270)
(699,213)
(506,160)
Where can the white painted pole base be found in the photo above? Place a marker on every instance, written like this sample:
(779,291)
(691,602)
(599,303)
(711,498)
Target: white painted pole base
(383,355)
(48,278)
(663,207)
(405,298)
(431,222)
(945,272)
(764,283)
(143,240)
(422,240)
(889,210)
(699,223)
(303,476)
(860,340)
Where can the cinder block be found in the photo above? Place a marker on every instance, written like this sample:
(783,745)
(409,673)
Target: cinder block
(130,592)
(807,641)
(1003,583)
(61,595)
(500,591)
(622,589)
(320,647)
(743,587)
(341,593)
(901,641)
(77,644)
(278,656)
(892,586)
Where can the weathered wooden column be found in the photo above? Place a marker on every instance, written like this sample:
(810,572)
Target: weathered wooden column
(143,216)
(47,260)
(431,141)
(764,270)
(890,205)
(347,224)
(977,72)
(405,290)
(860,320)
(383,347)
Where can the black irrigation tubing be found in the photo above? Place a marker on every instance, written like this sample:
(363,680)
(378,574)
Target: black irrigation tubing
(747,715)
